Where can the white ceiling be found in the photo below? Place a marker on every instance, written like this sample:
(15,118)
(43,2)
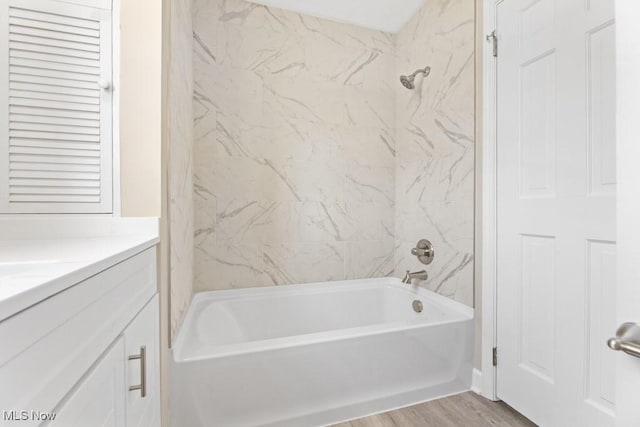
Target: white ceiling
(384,15)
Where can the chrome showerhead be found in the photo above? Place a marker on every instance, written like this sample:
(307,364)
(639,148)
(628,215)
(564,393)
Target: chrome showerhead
(409,81)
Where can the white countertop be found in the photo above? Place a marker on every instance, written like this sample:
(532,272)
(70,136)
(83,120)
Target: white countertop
(36,264)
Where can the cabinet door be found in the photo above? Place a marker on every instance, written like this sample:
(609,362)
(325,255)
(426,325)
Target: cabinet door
(143,368)
(55,108)
(99,400)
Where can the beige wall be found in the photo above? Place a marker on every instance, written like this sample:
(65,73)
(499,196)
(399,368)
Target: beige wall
(140,107)
(142,159)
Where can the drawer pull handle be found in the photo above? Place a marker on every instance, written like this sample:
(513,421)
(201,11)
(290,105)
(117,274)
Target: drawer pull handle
(143,371)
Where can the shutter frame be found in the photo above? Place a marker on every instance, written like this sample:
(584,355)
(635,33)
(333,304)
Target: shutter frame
(57,138)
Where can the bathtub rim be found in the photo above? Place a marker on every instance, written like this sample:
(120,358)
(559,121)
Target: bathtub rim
(462,314)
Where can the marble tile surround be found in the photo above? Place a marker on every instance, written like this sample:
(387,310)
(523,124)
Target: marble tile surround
(294,148)
(311,164)
(180,181)
(434,173)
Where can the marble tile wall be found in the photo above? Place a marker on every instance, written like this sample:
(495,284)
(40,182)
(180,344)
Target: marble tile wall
(313,163)
(180,182)
(434,173)
(294,147)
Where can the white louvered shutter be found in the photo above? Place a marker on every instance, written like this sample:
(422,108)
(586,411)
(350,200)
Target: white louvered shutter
(55,108)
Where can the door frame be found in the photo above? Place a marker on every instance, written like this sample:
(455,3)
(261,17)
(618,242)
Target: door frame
(487,201)
(488,211)
(627,109)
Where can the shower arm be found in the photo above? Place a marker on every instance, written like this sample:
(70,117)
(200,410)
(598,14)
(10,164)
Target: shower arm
(426,70)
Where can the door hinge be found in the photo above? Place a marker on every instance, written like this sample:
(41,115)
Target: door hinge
(493,38)
(495,356)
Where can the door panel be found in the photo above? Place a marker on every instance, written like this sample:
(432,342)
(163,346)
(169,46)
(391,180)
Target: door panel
(601,77)
(601,320)
(537,136)
(556,209)
(537,282)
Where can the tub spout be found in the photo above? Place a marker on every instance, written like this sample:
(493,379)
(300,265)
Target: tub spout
(420,275)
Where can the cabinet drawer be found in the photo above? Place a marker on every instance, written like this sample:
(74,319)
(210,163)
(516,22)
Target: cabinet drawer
(50,346)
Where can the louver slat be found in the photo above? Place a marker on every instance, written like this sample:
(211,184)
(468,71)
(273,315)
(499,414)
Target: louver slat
(55,198)
(40,169)
(68,23)
(51,81)
(33,26)
(44,158)
(56,147)
(53,120)
(55,105)
(66,175)
(51,31)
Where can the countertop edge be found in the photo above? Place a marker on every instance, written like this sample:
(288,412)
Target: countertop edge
(24,300)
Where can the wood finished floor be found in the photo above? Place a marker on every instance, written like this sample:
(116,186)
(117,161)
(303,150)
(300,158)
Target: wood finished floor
(462,410)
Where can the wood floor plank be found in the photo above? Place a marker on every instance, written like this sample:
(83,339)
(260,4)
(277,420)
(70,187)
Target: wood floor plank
(462,410)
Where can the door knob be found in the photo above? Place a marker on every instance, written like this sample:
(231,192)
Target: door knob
(627,339)
(104,84)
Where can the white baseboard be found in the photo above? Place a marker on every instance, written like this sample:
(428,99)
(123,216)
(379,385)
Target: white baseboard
(476,381)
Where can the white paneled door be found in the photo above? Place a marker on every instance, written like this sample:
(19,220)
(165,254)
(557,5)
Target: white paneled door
(556,185)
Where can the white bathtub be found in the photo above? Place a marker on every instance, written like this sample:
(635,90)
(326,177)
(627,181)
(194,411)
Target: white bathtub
(316,354)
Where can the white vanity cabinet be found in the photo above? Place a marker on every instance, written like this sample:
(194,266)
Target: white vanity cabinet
(88,353)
